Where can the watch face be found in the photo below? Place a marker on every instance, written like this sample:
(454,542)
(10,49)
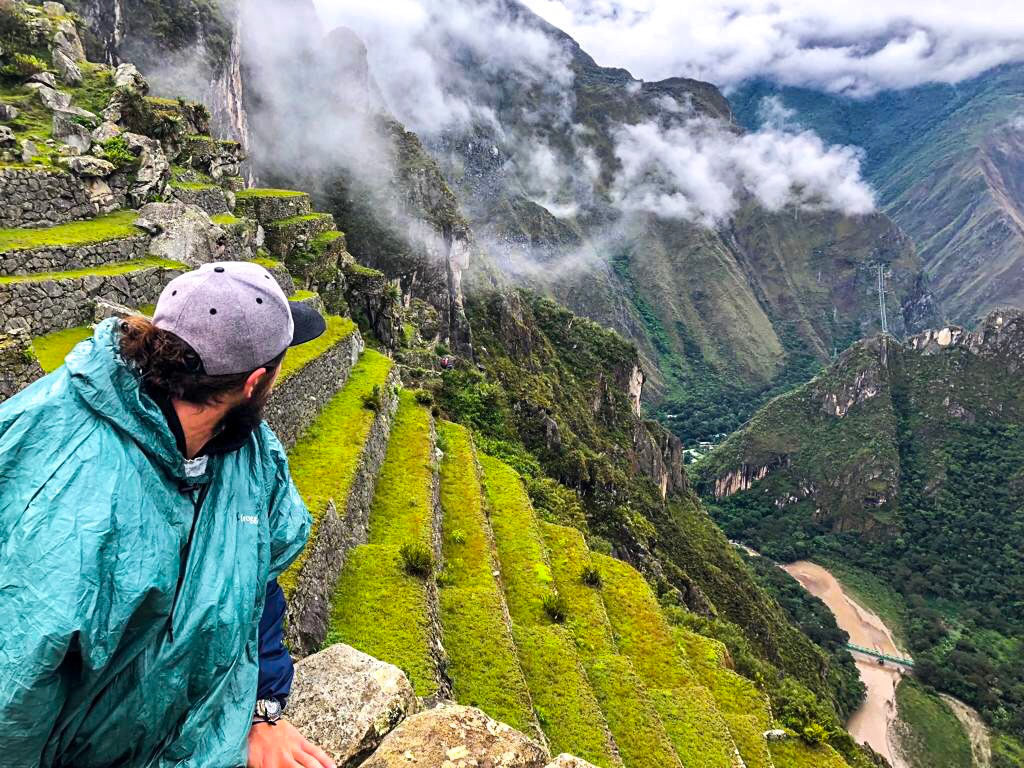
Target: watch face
(268,708)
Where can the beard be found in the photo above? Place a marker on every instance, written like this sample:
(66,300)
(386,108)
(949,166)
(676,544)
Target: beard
(243,419)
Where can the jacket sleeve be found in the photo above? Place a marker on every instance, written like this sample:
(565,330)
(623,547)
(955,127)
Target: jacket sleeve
(289,519)
(276,670)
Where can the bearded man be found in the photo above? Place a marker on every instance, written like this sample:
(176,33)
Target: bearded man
(145,513)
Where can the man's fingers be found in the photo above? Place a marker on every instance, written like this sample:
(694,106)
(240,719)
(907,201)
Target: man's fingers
(305,759)
(323,760)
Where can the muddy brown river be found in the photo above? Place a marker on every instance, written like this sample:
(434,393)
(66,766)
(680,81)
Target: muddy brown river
(872,723)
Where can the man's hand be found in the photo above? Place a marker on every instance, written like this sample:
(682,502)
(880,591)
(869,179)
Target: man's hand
(282,746)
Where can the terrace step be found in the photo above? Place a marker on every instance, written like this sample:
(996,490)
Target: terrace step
(687,709)
(78,245)
(794,753)
(50,349)
(631,714)
(567,707)
(209,197)
(482,661)
(267,205)
(51,301)
(404,513)
(334,465)
(285,237)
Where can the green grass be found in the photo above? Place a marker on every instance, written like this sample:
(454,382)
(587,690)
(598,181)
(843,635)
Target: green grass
(380,610)
(568,554)
(793,753)
(110,227)
(632,718)
(321,242)
(525,572)
(483,665)
(260,192)
(193,185)
(266,263)
(338,329)
(295,221)
(696,730)
(105,270)
(52,348)
(302,295)
(225,219)
(402,508)
(562,698)
(641,631)
(929,732)
(324,461)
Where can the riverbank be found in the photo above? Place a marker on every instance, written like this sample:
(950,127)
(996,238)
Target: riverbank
(873,722)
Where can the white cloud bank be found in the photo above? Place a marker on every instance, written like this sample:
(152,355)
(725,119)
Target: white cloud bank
(856,48)
(700,171)
(682,167)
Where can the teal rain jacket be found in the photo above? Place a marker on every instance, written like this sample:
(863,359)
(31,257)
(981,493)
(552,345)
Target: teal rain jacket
(128,619)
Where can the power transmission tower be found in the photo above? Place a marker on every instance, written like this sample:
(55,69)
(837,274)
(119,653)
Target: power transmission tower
(882,298)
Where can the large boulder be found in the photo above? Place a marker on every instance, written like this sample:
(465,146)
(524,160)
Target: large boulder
(453,736)
(154,169)
(128,77)
(88,166)
(346,701)
(67,41)
(68,70)
(183,233)
(71,133)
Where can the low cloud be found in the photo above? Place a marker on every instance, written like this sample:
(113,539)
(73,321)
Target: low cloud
(853,48)
(701,170)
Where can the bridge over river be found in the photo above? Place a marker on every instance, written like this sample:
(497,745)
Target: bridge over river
(900,662)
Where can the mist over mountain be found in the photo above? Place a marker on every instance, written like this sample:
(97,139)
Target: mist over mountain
(946,163)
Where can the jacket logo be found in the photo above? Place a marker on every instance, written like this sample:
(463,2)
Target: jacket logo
(250,519)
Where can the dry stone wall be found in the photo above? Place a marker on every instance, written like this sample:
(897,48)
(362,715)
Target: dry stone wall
(51,305)
(41,198)
(60,258)
(297,401)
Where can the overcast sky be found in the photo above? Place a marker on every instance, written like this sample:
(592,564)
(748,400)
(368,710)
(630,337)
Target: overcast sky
(853,47)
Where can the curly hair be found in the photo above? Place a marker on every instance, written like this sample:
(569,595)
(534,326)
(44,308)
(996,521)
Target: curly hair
(170,365)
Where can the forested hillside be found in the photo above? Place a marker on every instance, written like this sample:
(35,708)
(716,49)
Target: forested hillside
(905,461)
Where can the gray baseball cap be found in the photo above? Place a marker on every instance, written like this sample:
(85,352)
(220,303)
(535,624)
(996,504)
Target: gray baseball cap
(235,316)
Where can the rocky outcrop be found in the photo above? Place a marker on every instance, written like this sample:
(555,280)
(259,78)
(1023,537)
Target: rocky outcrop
(453,736)
(659,455)
(347,702)
(183,233)
(569,761)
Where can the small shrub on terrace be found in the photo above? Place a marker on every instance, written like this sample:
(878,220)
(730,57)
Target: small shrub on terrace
(554,607)
(424,398)
(458,536)
(591,576)
(375,400)
(116,151)
(417,560)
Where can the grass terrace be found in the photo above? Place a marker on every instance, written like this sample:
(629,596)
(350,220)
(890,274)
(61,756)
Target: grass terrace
(324,461)
(105,270)
(302,295)
(632,718)
(261,192)
(524,569)
(793,753)
(338,329)
(110,227)
(483,665)
(565,705)
(225,219)
(381,610)
(696,730)
(402,508)
(51,349)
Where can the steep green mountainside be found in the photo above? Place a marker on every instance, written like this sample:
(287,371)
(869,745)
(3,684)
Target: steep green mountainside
(904,460)
(946,161)
(686,656)
(723,315)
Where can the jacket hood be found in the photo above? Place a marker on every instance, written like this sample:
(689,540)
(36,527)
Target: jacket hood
(109,387)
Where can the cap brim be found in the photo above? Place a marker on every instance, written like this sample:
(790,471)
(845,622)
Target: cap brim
(308,323)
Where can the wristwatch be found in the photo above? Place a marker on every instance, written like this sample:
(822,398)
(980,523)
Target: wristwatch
(268,711)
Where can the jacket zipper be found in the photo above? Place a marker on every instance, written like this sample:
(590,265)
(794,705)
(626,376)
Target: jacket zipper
(186,555)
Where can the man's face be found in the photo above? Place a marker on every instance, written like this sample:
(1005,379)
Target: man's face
(247,414)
